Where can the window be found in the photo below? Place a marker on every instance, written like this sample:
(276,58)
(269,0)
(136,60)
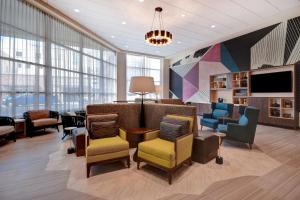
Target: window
(138,65)
(45,64)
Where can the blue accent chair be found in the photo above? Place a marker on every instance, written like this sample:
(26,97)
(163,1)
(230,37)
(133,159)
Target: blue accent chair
(219,110)
(244,130)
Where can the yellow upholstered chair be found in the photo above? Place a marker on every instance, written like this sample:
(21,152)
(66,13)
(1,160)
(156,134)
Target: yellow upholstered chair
(165,154)
(104,150)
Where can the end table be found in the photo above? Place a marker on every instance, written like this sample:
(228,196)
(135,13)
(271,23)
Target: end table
(20,126)
(219,158)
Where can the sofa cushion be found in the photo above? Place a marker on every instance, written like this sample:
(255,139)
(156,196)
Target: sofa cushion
(212,123)
(44,122)
(184,117)
(100,118)
(103,129)
(243,120)
(170,131)
(106,145)
(219,113)
(184,123)
(4,130)
(38,114)
(222,128)
(160,148)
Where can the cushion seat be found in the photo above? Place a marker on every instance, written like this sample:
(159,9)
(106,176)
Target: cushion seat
(222,128)
(162,149)
(106,145)
(44,122)
(209,122)
(4,130)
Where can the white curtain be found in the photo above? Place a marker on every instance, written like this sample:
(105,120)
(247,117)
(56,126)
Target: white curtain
(140,65)
(44,63)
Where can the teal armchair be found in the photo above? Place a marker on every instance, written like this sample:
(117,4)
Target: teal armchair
(219,110)
(244,130)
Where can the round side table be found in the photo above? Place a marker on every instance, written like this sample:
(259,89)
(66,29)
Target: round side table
(219,158)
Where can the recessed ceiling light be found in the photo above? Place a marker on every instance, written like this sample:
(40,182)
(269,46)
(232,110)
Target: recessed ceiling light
(182,15)
(126,46)
(179,42)
(76,10)
(212,26)
(141,1)
(123,22)
(112,36)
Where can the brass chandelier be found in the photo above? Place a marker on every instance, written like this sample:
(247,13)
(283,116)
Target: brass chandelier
(158,37)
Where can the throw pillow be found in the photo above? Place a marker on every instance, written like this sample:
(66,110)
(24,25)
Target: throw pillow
(169,131)
(184,123)
(100,118)
(103,129)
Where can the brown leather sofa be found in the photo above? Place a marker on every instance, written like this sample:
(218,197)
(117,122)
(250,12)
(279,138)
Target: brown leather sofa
(129,113)
(40,119)
(7,128)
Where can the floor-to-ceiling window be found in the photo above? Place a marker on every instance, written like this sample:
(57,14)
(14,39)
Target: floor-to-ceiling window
(46,64)
(140,65)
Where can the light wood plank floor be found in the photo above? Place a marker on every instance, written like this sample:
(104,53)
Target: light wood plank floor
(39,168)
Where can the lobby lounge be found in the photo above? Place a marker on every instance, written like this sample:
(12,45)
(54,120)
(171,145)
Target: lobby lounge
(149,99)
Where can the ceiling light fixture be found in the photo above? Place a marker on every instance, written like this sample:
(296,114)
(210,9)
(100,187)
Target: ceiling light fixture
(182,15)
(141,1)
(179,42)
(213,26)
(158,37)
(76,10)
(112,36)
(123,23)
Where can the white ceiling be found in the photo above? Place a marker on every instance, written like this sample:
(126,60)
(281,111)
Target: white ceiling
(105,18)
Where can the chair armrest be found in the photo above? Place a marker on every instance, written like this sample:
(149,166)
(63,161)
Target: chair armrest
(87,141)
(183,148)
(122,133)
(4,121)
(53,114)
(207,115)
(151,135)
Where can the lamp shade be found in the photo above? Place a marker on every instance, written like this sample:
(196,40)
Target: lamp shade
(141,85)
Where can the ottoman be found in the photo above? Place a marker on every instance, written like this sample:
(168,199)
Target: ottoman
(78,137)
(205,147)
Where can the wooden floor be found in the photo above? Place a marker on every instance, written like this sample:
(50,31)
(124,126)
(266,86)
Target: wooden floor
(23,173)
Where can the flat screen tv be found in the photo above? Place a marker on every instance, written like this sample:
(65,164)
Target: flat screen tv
(272,82)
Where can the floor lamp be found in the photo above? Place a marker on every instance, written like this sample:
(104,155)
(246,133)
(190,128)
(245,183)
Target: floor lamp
(142,85)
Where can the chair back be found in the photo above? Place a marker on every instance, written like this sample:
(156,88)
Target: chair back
(221,110)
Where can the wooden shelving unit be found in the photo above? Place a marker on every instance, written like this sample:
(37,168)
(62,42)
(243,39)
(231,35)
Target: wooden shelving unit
(219,85)
(282,107)
(240,87)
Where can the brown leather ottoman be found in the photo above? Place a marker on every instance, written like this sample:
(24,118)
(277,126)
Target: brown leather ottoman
(78,137)
(205,147)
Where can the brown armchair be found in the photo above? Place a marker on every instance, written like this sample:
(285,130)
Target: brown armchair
(40,119)
(7,128)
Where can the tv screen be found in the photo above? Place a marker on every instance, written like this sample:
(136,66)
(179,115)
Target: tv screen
(272,82)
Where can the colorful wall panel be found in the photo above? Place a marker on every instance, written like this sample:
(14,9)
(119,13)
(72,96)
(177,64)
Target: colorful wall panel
(274,45)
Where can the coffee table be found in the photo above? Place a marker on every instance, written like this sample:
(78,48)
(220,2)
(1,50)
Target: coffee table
(134,136)
(219,158)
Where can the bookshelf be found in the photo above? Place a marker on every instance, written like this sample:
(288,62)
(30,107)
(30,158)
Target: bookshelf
(220,87)
(240,88)
(282,107)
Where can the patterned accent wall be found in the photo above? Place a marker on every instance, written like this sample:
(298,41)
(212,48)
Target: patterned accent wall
(274,45)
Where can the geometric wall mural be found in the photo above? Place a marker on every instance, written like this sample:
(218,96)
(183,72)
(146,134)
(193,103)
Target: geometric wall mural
(274,45)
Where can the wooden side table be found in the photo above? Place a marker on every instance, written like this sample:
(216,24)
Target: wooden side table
(20,126)
(134,136)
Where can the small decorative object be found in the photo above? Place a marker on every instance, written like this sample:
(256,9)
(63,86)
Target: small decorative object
(220,100)
(158,37)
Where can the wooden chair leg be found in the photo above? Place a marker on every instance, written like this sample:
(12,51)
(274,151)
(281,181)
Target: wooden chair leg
(57,128)
(250,146)
(138,163)
(190,161)
(88,169)
(170,176)
(128,161)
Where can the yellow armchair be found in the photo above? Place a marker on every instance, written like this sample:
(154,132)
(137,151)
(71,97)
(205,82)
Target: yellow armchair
(104,150)
(165,154)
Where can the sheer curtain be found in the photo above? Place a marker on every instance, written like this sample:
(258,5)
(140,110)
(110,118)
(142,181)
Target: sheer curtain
(140,65)
(45,63)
